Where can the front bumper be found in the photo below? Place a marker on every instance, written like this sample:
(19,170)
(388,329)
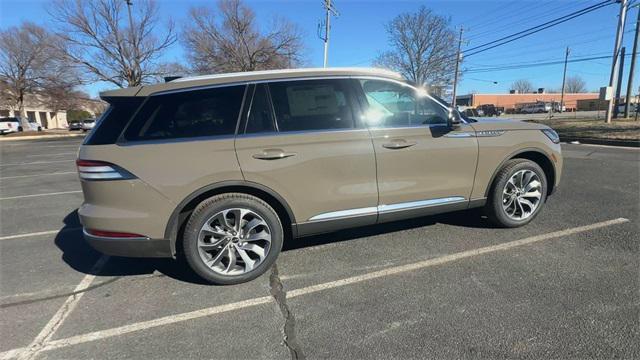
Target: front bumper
(129,247)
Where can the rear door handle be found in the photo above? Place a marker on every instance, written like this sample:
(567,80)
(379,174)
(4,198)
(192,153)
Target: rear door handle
(272,154)
(398,144)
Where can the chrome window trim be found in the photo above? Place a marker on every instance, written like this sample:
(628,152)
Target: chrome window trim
(299,132)
(384,209)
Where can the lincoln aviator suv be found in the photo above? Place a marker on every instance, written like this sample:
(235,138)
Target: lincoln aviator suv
(221,169)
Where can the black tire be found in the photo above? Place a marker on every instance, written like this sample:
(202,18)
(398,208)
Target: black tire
(20,129)
(493,208)
(209,208)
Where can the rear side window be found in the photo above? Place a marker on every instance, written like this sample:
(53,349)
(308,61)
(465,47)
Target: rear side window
(209,112)
(110,125)
(312,105)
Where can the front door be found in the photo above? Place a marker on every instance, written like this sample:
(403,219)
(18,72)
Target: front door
(307,145)
(423,166)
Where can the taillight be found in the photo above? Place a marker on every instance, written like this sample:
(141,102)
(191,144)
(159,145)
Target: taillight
(101,170)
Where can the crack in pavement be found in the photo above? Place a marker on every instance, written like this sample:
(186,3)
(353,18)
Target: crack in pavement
(288,330)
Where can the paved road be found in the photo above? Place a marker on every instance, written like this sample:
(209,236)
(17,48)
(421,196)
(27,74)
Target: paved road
(450,286)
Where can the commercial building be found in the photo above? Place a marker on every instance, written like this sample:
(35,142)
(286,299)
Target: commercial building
(37,109)
(515,101)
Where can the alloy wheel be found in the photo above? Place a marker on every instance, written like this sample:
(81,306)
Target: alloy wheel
(234,241)
(521,195)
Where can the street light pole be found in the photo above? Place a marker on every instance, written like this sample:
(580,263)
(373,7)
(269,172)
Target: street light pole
(616,51)
(564,77)
(455,76)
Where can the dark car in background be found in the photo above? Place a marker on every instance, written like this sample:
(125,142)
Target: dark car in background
(490,110)
(75,125)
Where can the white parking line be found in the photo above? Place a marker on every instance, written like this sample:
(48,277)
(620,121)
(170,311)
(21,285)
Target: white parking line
(37,162)
(39,175)
(172,319)
(39,233)
(55,154)
(65,310)
(45,194)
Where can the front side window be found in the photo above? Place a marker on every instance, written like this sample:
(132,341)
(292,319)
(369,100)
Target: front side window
(395,105)
(208,112)
(312,105)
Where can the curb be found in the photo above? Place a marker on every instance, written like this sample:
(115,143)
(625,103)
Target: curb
(609,142)
(35,137)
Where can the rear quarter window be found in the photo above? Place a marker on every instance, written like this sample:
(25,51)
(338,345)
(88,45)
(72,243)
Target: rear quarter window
(113,121)
(188,114)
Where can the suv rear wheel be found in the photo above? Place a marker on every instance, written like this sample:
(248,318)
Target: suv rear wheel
(232,238)
(518,193)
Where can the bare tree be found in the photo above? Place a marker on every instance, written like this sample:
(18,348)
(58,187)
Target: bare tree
(30,67)
(422,48)
(575,84)
(109,45)
(230,40)
(522,86)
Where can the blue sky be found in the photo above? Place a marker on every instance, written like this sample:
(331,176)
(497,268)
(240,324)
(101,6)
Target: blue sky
(358,34)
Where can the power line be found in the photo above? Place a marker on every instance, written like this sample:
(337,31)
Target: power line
(523,66)
(521,21)
(535,29)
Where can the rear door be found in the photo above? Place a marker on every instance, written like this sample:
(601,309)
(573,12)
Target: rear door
(422,164)
(308,146)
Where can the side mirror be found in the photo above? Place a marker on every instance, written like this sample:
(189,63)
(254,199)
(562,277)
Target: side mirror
(453,120)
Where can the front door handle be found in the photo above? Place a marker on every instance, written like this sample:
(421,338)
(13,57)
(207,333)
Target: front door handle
(272,154)
(398,144)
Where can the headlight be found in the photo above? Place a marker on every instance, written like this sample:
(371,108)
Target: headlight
(552,135)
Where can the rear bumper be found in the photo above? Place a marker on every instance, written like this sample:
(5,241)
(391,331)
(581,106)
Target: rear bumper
(129,247)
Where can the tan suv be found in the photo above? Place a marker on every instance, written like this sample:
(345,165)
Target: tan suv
(223,168)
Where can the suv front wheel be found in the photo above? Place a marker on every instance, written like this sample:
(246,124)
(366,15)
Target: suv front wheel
(232,238)
(517,194)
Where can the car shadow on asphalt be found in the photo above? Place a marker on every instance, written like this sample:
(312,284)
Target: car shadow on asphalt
(80,256)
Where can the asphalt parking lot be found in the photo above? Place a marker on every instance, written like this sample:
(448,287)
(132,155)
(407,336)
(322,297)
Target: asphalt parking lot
(449,286)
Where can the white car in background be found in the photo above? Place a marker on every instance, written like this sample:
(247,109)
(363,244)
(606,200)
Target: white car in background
(88,124)
(13,124)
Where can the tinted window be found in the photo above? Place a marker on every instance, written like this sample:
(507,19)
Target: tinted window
(110,125)
(208,112)
(260,118)
(312,105)
(395,105)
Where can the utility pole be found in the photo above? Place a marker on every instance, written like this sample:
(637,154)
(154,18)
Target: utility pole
(330,10)
(455,76)
(564,77)
(616,51)
(619,85)
(634,53)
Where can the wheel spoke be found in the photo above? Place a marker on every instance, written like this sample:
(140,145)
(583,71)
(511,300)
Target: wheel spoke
(207,228)
(528,203)
(262,235)
(231,253)
(532,194)
(252,225)
(535,184)
(254,248)
(214,261)
(248,261)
